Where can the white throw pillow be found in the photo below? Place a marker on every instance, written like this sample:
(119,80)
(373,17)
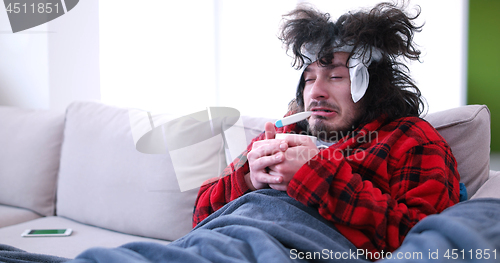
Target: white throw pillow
(29,158)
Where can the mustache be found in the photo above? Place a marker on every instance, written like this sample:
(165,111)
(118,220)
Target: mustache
(323,103)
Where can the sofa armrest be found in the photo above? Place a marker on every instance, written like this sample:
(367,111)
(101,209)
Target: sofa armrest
(490,188)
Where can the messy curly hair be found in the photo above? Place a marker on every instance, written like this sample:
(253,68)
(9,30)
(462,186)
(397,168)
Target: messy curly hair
(391,91)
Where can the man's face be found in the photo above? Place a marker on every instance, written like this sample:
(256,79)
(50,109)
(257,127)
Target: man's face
(327,93)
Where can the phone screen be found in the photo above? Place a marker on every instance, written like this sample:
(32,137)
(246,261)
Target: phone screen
(47,231)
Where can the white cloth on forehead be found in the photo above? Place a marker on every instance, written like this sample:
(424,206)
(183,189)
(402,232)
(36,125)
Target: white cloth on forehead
(358,70)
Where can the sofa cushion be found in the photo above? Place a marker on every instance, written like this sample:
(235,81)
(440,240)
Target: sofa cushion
(104,181)
(13,215)
(82,238)
(29,158)
(467,131)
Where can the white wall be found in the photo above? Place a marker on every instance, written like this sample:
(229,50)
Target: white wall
(184,56)
(53,64)
(255,74)
(161,60)
(24,73)
(74,55)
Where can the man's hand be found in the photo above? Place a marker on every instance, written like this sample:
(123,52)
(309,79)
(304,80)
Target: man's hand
(265,153)
(300,150)
(274,162)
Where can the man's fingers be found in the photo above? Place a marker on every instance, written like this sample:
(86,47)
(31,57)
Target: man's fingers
(298,140)
(262,162)
(279,187)
(267,178)
(267,147)
(270,132)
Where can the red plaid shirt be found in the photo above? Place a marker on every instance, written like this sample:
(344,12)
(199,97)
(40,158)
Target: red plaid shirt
(374,185)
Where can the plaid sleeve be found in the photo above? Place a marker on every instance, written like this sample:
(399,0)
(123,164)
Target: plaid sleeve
(374,201)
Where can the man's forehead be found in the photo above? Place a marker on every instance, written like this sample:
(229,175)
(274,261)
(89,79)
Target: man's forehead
(339,60)
(316,66)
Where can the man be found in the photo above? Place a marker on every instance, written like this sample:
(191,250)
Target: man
(385,168)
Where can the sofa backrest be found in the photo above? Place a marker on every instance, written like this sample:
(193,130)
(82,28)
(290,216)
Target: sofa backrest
(30,147)
(104,181)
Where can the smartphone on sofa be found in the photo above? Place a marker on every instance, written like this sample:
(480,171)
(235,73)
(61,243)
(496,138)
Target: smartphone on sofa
(47,232)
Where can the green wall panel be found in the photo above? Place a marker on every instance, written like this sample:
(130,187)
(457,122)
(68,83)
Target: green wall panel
(483,76)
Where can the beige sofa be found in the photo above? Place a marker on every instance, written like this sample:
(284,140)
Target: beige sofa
(82,170)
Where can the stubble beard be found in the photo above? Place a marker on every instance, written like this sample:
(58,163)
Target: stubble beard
(320,126)
(328,132)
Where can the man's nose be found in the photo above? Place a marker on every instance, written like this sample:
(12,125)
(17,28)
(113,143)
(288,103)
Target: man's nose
(319,90)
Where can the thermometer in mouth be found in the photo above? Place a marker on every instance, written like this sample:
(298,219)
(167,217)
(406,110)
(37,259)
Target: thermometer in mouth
(293,119)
